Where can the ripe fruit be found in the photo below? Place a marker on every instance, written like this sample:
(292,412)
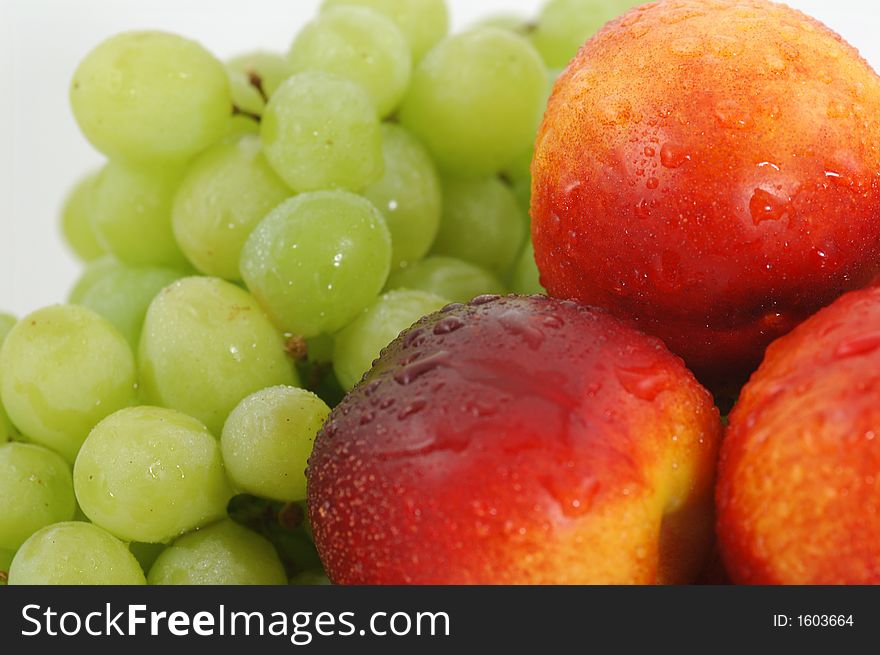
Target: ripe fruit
(799,480)
(517,440)
(710,169)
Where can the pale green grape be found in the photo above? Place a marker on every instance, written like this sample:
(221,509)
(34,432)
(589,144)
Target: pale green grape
(321,131)
(226,192)
(146,554)
(310,578)
(121,293)
(359,44)
(422,22)
(206,344)
(451,278)
(564,25)
(476,99)
(408,195)
(63,369)
(6,557)
(267,441)
(7,322)
(507,21)
(482,223)
(526,279)
(7,429)
(150,474)
(359,343)
(221,554)
(271,69)
(518,175)
(74,553)
(245,96)
(132,213)
(146,96)
(317,260)
(76,221)
(36,490)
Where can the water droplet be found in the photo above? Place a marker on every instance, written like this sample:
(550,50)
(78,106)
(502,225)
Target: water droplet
(730,114)
(553,322)
(484,300)
(451,307)
(412,408)
(861,345)
(367,417)
(643,209)
(652,183)
(649,151)
(413,371)
(765,206)
(519,324)
(673,156)
(448,324)
(645,383)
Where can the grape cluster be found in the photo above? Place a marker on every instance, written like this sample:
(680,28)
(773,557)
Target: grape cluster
(261,230)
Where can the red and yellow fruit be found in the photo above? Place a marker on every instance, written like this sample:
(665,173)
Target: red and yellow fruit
(710,169)
(517,440)
(799,480)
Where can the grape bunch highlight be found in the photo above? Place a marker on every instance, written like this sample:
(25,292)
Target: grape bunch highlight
(261,230)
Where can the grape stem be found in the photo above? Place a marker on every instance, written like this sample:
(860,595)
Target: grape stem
(238,111)
(256,81)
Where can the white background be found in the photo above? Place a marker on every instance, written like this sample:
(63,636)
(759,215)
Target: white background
(42,152)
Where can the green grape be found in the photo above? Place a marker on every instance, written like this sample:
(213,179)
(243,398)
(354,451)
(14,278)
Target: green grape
(482,224)
(6,557)
(245,96)
(221,554)
(272,69)
(310,578)
(121,293)
(206,344)
(36,490)
(132,213)
(408,195)
(359,343)
(317,260)
(226,192)
(76,221)
(564,25)
(7,429)
(458,280)
(422,22)
(359,44)
(74,553)
(267,441)
(518,176)
(525,278)
(146,554)
(150,96)
(63,369)
(321,131)
(476,99)
(150,474)
(7,322)
(507,21)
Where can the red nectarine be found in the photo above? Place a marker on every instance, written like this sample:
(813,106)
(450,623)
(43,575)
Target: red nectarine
(710,169)
(517,440)
(799,480)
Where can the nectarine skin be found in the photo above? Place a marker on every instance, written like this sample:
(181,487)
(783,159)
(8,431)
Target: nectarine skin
(799,480)
(518,440)
(710,169)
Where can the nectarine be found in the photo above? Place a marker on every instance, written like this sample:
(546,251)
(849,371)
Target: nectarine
(799,480)
(518,440)
(710,169)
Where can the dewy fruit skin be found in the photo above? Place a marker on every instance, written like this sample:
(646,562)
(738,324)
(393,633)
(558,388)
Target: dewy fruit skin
(517,440)
(799,476)
(710,170)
